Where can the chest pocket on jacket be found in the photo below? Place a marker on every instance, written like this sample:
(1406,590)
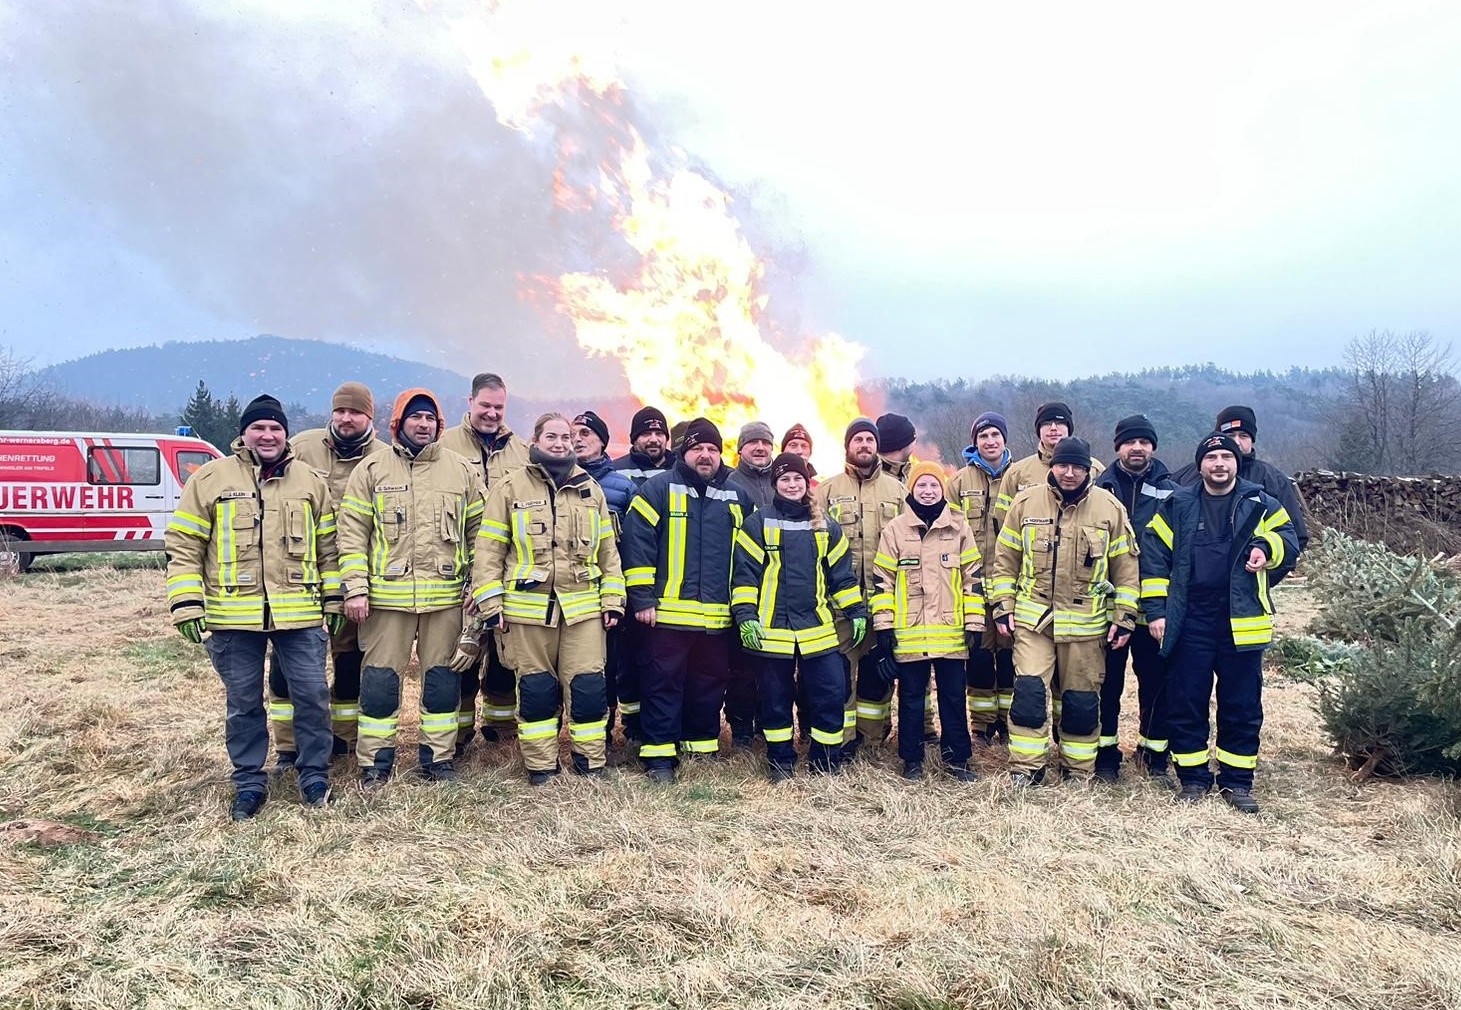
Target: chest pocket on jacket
(299,531)
(974,502)
(1039,540)
(394,512)
(585,531)
(449,512)
(910,565)
(1095,541)
(888,511)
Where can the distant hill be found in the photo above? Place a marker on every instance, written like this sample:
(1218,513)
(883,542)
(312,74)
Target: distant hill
(161,379)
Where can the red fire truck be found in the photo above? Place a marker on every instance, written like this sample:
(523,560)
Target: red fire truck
(66,491)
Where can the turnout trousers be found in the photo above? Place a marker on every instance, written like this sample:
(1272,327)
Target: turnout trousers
(991,682)
(870,705)
(634,659)
(494,677)
(1077,727)
(345,662)
(682,691)
(822,680)
(557,668)
(387,636)
(742,690)
(1151,703)
(1204,651)
(299,658)
(951,678)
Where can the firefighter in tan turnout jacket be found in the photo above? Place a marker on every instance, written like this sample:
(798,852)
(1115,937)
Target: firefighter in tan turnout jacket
(862,499)
(486,441)
(1053,422)
(408,522)
(251,558)
(334,450)
(1065,582)
(974,491)
(547,574)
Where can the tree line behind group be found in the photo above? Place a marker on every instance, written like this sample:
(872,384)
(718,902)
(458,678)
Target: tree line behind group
(1394,408)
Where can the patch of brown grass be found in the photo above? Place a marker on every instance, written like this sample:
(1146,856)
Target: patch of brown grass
(859,891)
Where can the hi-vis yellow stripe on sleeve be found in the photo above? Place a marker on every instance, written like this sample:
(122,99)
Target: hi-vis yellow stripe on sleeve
(1151,588)
(1159,526)
(491,529)
(1267,529)
(645,509)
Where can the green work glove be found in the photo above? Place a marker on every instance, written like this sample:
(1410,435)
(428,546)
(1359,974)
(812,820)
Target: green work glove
(751,632)
(334,624)
(193,630)
(859,629)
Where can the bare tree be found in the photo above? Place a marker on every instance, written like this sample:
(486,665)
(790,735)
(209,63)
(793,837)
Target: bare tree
(1401,412)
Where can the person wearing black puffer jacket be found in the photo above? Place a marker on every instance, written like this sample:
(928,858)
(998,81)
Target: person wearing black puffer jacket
(1141,482)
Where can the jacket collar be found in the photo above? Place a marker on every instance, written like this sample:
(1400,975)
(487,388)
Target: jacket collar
(246,455)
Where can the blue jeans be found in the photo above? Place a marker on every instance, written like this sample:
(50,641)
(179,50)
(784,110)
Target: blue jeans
(238,656)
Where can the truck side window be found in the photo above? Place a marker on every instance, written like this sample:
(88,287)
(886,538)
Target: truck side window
(110,464)
(189,461)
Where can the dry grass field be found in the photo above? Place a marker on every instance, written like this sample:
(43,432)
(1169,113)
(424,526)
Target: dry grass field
(723,891)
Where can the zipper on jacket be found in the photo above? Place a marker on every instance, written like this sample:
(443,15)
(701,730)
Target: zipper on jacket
(259,528)
(552,549)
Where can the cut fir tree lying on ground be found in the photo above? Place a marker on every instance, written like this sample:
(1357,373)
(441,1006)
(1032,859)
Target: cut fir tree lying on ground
(1387,662)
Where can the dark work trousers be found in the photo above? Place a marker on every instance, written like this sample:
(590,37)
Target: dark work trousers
(633,658)
(991,684)
(952,680)
(238,656)
(682,690)
(741,691)
(613,656)
(823,679)
(1204,649)
(1151,703)
(499,693)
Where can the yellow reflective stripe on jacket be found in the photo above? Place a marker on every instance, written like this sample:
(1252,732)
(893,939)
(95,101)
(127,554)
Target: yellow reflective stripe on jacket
(491,529)
(770,574)
(522,545)
(1267,530)
(1158,525)
(639,577)
(1154,588)
(645,509)
(193,526)
(679,505)
(184,585)
(1252,630)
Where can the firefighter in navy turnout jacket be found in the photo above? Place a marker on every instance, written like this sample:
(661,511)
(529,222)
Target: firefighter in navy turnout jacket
(1240,424)
(489,445)
(862,500)
(678,538)
(648,456)
(408,522)
(334,450)
(590,439)
(929,611)
(973,491)
(1065,585)
(547,571)
(791,568)
(1209,558)
(1140,481)
(251,557)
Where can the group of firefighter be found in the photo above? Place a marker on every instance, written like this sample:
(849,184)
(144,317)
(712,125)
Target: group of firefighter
(998,605)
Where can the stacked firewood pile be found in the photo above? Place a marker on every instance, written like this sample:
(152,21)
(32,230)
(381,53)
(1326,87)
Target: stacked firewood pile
(1410,515)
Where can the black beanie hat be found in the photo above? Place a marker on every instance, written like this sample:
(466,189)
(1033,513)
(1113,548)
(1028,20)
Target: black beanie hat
(1237,418)
(1055,412)
(1072,450)
(419,402)
(1133,427)
(648,419)
(990,419)
(895,432)
(595,424)
(262,408)
(701,430)
(1217,440)
(858,424)
(789,462)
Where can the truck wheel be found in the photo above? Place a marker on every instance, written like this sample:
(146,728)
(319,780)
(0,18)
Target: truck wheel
(11,560)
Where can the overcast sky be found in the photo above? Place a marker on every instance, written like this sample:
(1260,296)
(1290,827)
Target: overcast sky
(1053,189)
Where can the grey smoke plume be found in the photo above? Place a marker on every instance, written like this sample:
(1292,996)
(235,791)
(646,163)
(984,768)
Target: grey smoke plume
(334,175)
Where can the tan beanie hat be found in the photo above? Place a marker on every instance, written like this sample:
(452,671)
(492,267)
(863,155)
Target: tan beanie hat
(354,396)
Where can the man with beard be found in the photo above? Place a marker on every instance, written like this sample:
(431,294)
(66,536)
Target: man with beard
(334,451)
(486,442)
(1140,482)
(863,499)
(1208,558)
(678,535)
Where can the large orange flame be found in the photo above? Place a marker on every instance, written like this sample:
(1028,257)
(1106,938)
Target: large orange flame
(686,322)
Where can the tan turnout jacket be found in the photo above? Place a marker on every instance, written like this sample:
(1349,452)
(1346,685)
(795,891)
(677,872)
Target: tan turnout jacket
(930,588)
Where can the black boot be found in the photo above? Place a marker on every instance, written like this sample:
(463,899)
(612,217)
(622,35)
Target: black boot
(246,804)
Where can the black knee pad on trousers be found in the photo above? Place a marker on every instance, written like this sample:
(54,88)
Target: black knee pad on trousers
(588,698)
(441,689)
(347,674)
(1080,713)
(380,692)
(277,684)
(1028,707)
(537,696)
